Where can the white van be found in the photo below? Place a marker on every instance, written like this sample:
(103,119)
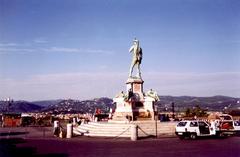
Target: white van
(197,128)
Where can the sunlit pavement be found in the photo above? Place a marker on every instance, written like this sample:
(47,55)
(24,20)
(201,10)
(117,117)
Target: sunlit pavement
(13,145)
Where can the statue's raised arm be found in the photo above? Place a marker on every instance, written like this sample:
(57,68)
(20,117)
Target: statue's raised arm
(137,58)
(131,48)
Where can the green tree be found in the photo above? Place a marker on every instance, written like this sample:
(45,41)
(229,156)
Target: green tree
(188,112)
(196,111)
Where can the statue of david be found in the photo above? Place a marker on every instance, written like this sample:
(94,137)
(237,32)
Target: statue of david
(137,57)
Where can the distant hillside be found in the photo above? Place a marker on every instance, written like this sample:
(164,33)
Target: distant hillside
(19,107)
(215,103)
(86,106)
(46,103)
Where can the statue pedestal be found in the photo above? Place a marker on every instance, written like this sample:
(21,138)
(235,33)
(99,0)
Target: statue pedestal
(136,86)
(134,105)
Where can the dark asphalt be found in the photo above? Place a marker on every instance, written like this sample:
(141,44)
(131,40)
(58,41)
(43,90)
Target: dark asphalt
(13,145)
(90,147)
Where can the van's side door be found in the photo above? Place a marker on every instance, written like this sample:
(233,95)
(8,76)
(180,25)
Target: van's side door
(204,128)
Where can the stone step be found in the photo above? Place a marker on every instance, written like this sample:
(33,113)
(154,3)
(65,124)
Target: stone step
(94,127)
(103,134)
(123,130)
(101,129)
(106,124)
(105,131)
(78,132)
(107,135)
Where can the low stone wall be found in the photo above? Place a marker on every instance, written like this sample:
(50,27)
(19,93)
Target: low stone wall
(122,129)
(153,128)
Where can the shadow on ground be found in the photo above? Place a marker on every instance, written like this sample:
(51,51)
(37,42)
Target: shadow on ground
(147,137)
(13,133)
(9,148)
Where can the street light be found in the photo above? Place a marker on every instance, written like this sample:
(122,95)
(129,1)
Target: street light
(173,110)
(156,117)
(9,102)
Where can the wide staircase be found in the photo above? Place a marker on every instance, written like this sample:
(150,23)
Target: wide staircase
(103,129)
(119,129)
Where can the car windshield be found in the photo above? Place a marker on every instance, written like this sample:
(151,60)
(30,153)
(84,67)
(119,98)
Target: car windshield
(237,123)
(193,124)
(182,124)
(226,117)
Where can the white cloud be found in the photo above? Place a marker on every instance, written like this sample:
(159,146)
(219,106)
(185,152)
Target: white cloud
(77,50)
(12,48)
(61,49)
(15,48)
(8,50)
(8,44)
(90,85)
(40,41)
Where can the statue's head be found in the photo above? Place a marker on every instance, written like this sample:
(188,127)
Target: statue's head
(135,41)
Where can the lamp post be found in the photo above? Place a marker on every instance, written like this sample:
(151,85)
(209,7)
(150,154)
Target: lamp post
(9,102)
(156,118)
(173,111)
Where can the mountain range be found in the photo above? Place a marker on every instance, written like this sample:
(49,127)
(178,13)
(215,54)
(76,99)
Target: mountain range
(214,103)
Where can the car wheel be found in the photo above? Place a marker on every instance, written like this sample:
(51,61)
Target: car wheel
(181,137)
(193,136)
(220,135)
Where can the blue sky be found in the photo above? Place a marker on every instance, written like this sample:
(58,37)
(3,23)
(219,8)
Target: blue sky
(78,49)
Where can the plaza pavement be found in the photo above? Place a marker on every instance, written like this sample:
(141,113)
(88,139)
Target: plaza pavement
(33,142)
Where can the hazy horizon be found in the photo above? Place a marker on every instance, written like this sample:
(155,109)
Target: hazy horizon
(56,99)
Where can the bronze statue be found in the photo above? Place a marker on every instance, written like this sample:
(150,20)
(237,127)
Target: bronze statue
(137,57)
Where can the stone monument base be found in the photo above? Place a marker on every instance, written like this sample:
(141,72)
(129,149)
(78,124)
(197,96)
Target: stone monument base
(134,105)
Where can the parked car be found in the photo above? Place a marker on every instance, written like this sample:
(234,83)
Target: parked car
(198,128)
(192,129)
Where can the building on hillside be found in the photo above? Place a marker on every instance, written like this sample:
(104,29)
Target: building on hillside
(11,120)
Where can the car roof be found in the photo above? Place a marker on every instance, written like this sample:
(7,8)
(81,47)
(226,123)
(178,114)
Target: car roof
(192,121)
